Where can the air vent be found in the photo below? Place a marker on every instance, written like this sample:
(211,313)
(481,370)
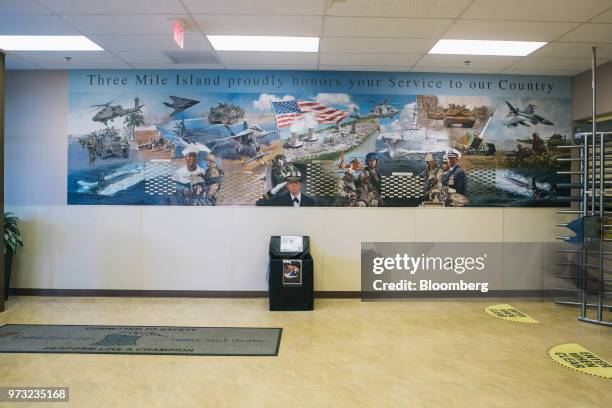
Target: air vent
(192,57)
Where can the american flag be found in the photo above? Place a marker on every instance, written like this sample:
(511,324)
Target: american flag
(287,112)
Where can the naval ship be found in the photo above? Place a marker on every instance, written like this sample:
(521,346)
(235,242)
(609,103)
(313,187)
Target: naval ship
(411,138)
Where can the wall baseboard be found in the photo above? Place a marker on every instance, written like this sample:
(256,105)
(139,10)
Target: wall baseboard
(260,294)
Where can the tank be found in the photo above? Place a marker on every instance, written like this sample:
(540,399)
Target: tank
(454,115)
(225,113)
(458,115)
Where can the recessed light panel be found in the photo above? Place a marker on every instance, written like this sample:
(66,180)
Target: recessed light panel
(485,47)
(47,43)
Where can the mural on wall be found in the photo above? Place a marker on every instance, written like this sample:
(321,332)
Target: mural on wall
(347,138)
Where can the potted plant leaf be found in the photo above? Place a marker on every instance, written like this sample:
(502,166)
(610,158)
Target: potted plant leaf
(12,239)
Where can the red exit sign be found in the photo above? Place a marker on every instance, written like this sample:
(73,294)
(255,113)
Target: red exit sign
(179,33)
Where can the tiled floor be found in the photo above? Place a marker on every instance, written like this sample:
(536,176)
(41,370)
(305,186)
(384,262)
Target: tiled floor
(344,354)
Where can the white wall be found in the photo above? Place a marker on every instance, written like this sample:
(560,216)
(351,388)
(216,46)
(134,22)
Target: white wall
(196,248)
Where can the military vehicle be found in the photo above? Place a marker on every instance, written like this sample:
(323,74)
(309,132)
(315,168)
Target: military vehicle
(478,146)
(225,113)
(110,112)
(555,141)
(454,115)
(109,143)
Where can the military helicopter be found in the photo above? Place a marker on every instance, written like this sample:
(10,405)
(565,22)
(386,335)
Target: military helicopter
(379,111)
(110,112)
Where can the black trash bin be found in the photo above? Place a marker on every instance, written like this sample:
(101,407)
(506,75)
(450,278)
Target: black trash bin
(290,279)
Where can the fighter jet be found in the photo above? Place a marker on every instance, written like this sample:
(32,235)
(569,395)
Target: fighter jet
(246,139)
(525,117)
(243,143)
(110,112)
(180,104)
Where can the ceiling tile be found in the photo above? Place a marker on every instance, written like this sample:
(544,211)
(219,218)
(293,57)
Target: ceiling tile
(555,64)
(376,45)
(519,71)
(572,50)
(274,67)
(34,24)
(78,57)
(22,7)
(114,6)
(458,61)
(604,17)
(399,8)
(143,57)
(269,7)
(507,30)
(177,66)
(385,27)
(13,62)
(587,33)
(146,24)
(399,60)
(456,70)
(84,65)
(362,68)
(267,58)
(540,10)
(150,42)
(259,25)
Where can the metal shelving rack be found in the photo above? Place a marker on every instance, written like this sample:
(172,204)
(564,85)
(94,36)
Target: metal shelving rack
(591,159)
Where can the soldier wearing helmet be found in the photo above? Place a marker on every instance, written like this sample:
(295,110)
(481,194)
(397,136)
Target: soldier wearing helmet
(370,181)
(212,178)
(433,176)
(347,189)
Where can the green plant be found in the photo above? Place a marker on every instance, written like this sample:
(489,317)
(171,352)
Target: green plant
(12,236)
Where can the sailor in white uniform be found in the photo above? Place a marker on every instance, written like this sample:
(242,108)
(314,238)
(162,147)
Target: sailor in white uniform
(190,181)
(191,173)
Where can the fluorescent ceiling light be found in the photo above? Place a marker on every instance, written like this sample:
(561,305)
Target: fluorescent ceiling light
(47,43)
(263,43)
(481,47)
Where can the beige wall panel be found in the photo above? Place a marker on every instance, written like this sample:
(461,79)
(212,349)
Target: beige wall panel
(96,247)
(458,225)
(346,228)
(533,224)
(186,248)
